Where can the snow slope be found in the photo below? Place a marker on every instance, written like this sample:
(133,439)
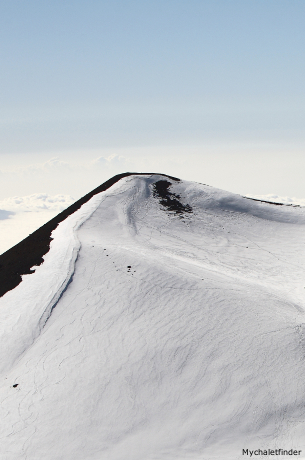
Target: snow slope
(158,327)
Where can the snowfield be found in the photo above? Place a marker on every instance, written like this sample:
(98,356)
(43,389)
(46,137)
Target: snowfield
(166,322)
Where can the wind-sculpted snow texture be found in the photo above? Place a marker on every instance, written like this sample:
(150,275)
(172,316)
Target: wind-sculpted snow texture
(158,330)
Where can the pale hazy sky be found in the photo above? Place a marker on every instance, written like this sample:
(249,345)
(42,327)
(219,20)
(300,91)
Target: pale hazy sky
(207,90)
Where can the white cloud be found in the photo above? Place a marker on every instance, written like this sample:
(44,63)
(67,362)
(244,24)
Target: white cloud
(5,214)
(37,202)
(110,161)
(18,226)
(22,215)
(80,163)
(77,172)
(49,166)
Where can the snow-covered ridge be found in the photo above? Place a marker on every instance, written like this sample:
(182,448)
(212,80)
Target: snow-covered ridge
(291,201)
(19,259)
(166,322)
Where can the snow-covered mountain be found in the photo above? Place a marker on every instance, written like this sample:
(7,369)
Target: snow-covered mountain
(165,322)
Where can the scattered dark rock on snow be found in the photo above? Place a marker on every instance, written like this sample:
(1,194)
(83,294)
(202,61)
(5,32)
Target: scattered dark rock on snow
(168,199)
(15,385)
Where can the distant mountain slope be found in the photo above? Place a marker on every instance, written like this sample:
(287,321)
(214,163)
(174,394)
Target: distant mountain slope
(166,322)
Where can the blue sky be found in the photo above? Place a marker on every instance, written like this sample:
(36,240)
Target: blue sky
(212,91)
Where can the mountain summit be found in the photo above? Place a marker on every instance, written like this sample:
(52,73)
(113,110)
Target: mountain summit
(156,319)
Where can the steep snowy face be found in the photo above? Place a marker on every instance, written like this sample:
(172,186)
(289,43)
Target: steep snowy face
(166,322)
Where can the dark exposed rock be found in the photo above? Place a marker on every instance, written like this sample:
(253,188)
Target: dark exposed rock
(171,201)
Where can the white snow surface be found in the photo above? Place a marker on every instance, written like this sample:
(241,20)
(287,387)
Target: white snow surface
(195,352)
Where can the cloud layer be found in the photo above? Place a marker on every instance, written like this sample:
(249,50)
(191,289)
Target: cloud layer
(37,202)
(22,215)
